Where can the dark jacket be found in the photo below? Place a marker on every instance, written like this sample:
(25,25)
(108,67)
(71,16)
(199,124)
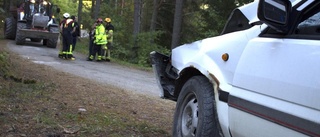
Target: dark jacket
(77,32)
(67,26)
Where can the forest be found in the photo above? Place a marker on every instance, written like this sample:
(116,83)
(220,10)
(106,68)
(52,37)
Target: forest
(142,26)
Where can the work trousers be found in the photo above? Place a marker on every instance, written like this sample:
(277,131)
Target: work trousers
(74,42)
(106,52)
(67,45)
(96,50)
(91,46)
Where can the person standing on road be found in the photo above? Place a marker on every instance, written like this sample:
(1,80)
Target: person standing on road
(100,39)
(67,28)
(76,33)
(109,30)
(91,39)
(65,17)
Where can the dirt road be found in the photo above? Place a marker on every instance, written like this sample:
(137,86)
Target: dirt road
(118,101)
(104,72)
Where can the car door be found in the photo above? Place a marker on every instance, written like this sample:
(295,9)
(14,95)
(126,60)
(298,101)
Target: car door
(277,84)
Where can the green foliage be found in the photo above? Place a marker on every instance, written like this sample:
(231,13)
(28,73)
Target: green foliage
(2,18)
(145,46)
(82,46)
(217,13)
(112,124)
(165,23)
(66,6)
(138,55)
(242,2)
(198,23)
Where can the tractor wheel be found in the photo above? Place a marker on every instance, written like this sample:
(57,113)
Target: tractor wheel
(20,39)
(10,28)
(52,43)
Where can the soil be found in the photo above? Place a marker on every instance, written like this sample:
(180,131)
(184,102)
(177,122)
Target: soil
(61,94)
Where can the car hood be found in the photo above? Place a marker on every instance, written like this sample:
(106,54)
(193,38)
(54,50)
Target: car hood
(206,55)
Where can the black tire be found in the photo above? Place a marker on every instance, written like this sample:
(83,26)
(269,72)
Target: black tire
(20,39)
(35,39)
(10,28)
(52,43)
(195,114)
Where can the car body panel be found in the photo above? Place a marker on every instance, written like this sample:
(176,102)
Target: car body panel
(272,82)
(281,72)
(205,55)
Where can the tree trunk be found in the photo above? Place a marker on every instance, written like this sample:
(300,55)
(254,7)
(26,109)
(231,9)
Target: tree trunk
(4,4)
(154,18)
(176,33)
(80,12)
(154,15)
(92,9)
(122,6)
(136,26)
(97,9)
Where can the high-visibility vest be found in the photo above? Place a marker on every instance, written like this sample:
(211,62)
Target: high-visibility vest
(109,29)
(100,35)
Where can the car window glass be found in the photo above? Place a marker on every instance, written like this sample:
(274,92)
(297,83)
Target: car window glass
(309,28)
(311,21)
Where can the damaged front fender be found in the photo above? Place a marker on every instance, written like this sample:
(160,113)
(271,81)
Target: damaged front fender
(165,74)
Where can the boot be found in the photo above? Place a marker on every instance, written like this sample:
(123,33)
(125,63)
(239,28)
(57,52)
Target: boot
(71,57)
(60,56)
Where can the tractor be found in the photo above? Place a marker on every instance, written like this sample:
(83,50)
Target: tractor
(34,20)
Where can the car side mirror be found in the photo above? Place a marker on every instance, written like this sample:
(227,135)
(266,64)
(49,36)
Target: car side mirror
(275,13)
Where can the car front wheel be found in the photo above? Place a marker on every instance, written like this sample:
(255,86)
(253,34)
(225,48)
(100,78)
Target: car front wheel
(195,114)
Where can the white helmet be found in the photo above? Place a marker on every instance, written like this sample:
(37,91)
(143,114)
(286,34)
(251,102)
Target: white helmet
(66,15)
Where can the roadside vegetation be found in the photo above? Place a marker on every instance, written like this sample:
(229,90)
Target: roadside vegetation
(83,48)
(142,26)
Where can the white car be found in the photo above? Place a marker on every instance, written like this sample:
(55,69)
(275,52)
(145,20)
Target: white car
(260,78)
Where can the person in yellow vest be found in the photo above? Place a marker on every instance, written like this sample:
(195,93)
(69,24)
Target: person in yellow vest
(100,39)
(107,49)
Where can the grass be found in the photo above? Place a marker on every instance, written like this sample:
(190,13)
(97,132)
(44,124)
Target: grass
(83,48)
(4,71)
(34,103)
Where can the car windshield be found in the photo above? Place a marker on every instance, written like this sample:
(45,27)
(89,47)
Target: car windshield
(311,21)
